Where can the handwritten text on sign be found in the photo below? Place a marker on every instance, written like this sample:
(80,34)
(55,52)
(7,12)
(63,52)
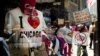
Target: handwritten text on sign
(81,16)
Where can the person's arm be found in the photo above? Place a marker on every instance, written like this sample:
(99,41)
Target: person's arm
(8,23)
(44,24)
(86,29)
(90,29)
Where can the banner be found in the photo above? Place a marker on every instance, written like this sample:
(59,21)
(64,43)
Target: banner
(90,2)
(80,38)
(82,16)
(92,6)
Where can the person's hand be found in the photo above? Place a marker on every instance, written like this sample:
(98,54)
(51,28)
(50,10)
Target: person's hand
(17,28)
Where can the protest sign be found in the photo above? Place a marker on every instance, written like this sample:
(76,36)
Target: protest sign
(82,16)
(80,38)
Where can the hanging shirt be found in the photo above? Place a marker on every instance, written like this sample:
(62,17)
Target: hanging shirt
(12,19)
(31,27)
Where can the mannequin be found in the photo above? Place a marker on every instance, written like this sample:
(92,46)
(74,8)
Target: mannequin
(25,9)
(33,23)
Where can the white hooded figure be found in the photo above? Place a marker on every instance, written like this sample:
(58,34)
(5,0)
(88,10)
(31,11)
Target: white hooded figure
(32,21)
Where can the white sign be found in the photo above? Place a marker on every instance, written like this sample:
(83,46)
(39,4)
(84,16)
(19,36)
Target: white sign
(60,21)
(81,16)
(80,38)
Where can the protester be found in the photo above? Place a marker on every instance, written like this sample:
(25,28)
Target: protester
(67,33)
(82,28)
(91,31)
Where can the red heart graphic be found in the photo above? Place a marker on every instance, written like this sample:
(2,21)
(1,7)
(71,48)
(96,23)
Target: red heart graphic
(34,22)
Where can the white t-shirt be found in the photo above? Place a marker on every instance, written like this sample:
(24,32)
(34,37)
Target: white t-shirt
(12,19)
